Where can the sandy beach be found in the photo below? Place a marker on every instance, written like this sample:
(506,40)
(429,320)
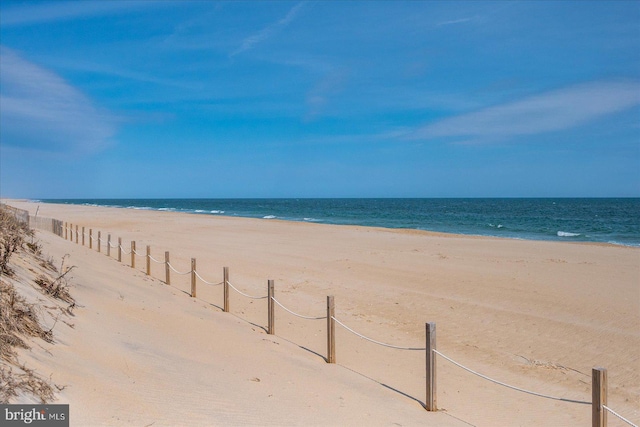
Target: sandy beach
(536,315)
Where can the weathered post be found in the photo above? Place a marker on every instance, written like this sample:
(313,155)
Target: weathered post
(193,277)
(65,231)
(598,397)
(331,330)
(431,403)
(270,307)
(133,254)
(148,260)
(167,279)
(99,244)
(76,234)
(119,249)
(225,286)
(90,238)
(82,236)
(108,245)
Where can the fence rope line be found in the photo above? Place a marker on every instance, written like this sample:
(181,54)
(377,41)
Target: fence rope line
(101,240)
(176,271)
(296,314)
(155,260)
(374,341)
(208,283)
(510,386)
(242,293)
(619,416)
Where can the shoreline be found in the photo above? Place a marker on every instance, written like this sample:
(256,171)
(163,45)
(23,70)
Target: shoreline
(323,222)
(536,314)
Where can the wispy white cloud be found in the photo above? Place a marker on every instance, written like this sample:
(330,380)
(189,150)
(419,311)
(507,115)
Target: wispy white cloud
(35,13)
(551,111)
(40,110)
(455,21)
(102,68)
(485,12)
(267,32)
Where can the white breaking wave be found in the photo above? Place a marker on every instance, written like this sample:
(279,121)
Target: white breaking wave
(269,217)
(208,211)
(567,234)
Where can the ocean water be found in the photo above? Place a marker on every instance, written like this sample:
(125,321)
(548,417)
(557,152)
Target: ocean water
(609,220)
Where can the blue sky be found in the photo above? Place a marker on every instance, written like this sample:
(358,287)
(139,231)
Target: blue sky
(319,99)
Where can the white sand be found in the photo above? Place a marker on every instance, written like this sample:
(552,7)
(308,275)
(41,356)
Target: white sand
(538,315)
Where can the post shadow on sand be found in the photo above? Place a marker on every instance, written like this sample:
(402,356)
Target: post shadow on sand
(323,357)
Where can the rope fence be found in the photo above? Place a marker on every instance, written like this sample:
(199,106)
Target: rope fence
(178,272)
(155,260)
(245,295)
(507,385)
(204,281)
(374,341)
(296,314)
(619,416)
(599,376)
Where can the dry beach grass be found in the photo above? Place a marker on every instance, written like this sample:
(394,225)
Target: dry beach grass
(23,313)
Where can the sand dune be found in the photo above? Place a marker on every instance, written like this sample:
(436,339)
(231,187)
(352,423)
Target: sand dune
(538,315)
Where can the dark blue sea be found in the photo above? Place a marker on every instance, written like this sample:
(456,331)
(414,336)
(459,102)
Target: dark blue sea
(606,220)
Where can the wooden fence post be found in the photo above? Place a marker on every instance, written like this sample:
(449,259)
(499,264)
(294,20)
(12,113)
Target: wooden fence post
(225,286)
(270,307)
(598,397)
(76,234)
(133,254)
(65,231)
(148,260)
(431,403)
(82,236)
(90,238)
(119,249)
(193,277)
(331,330)
(99,244)
(109,245)
(167,279)
(70,232)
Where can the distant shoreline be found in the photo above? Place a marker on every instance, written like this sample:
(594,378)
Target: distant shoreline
(532,219)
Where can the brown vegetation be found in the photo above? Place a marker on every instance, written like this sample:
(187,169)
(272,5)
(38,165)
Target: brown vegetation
(12,235)
(20,320)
